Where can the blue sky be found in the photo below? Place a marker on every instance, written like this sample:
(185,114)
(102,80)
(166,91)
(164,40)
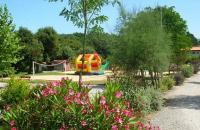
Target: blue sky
(35,14)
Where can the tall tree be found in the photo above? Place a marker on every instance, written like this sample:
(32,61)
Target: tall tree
(49,38)
(173,23)
(9,46)
(85,14)
(144,45)
(32,50)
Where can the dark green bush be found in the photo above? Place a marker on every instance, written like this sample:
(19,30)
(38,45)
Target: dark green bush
(166,83)
(187,70)
(179,78)
(16,91)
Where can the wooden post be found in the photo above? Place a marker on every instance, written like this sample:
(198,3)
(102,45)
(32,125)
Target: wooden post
(33,68)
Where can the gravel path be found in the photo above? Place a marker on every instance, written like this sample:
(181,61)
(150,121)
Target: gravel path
(182,111)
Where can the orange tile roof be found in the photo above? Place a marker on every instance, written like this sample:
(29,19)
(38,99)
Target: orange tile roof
(195,49)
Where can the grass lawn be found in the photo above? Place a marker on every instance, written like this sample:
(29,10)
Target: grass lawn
(49,73)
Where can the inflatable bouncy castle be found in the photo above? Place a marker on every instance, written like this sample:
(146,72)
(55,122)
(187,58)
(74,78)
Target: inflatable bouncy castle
(92,63)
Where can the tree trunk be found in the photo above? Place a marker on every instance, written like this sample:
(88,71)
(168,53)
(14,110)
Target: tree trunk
(84,41)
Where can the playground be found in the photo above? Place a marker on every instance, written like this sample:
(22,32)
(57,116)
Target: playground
(94,72)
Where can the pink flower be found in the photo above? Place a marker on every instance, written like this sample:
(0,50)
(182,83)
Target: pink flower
(78,94)
(114,127)
(118,94)
(48,91)
(102,100)
(84,111)
(71,92)
(126,127)
(83,123)
(108,113)
(127,113)
(44,93)
(12,123)
(78,101)
(13,128)
(55,83)
(118,120)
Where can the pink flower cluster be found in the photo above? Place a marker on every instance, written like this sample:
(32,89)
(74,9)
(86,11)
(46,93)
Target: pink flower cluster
(77,98)
(48,91)
(141,126)
(56,83)
(12,125)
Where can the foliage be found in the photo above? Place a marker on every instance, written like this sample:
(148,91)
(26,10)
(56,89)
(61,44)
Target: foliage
(166,83)
(16,92)
(195,41)
(142,97)
(8,42)
(32,50)
(85,14)
(144,45)
(49,38)
(101,42)
(179,78)
(174,24)
(187,70)
(64,105)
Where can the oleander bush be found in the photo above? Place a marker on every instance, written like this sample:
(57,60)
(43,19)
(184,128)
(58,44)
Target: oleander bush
(64,105)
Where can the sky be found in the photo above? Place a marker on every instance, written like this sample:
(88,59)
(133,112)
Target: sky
(35,14)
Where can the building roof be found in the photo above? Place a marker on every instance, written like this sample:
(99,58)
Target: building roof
(195,48)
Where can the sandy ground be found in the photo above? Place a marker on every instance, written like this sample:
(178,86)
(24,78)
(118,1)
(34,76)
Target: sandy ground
(182,111)
(72,76)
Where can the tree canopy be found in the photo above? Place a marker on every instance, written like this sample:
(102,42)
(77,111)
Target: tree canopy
(144,44)
(9,46)
(174,24)
(49,38)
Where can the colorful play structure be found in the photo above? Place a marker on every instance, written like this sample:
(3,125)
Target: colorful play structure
(92,64)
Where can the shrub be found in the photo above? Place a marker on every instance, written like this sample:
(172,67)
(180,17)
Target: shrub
(166,83)
(64,105)
(179,78)
(144,100)
(187,70)
(16,91)
(156,98)
(140,95)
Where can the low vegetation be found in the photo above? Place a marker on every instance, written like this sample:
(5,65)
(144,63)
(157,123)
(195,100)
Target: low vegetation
(64,105)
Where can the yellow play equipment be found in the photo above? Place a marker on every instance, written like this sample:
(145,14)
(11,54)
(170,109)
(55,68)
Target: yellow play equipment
(92,63)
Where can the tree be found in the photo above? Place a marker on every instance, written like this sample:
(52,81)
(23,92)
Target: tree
(49,38)
(85,14)
(144,45)
(32,50)
(177,27)
(195,41)
(9,46)
(101,42)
